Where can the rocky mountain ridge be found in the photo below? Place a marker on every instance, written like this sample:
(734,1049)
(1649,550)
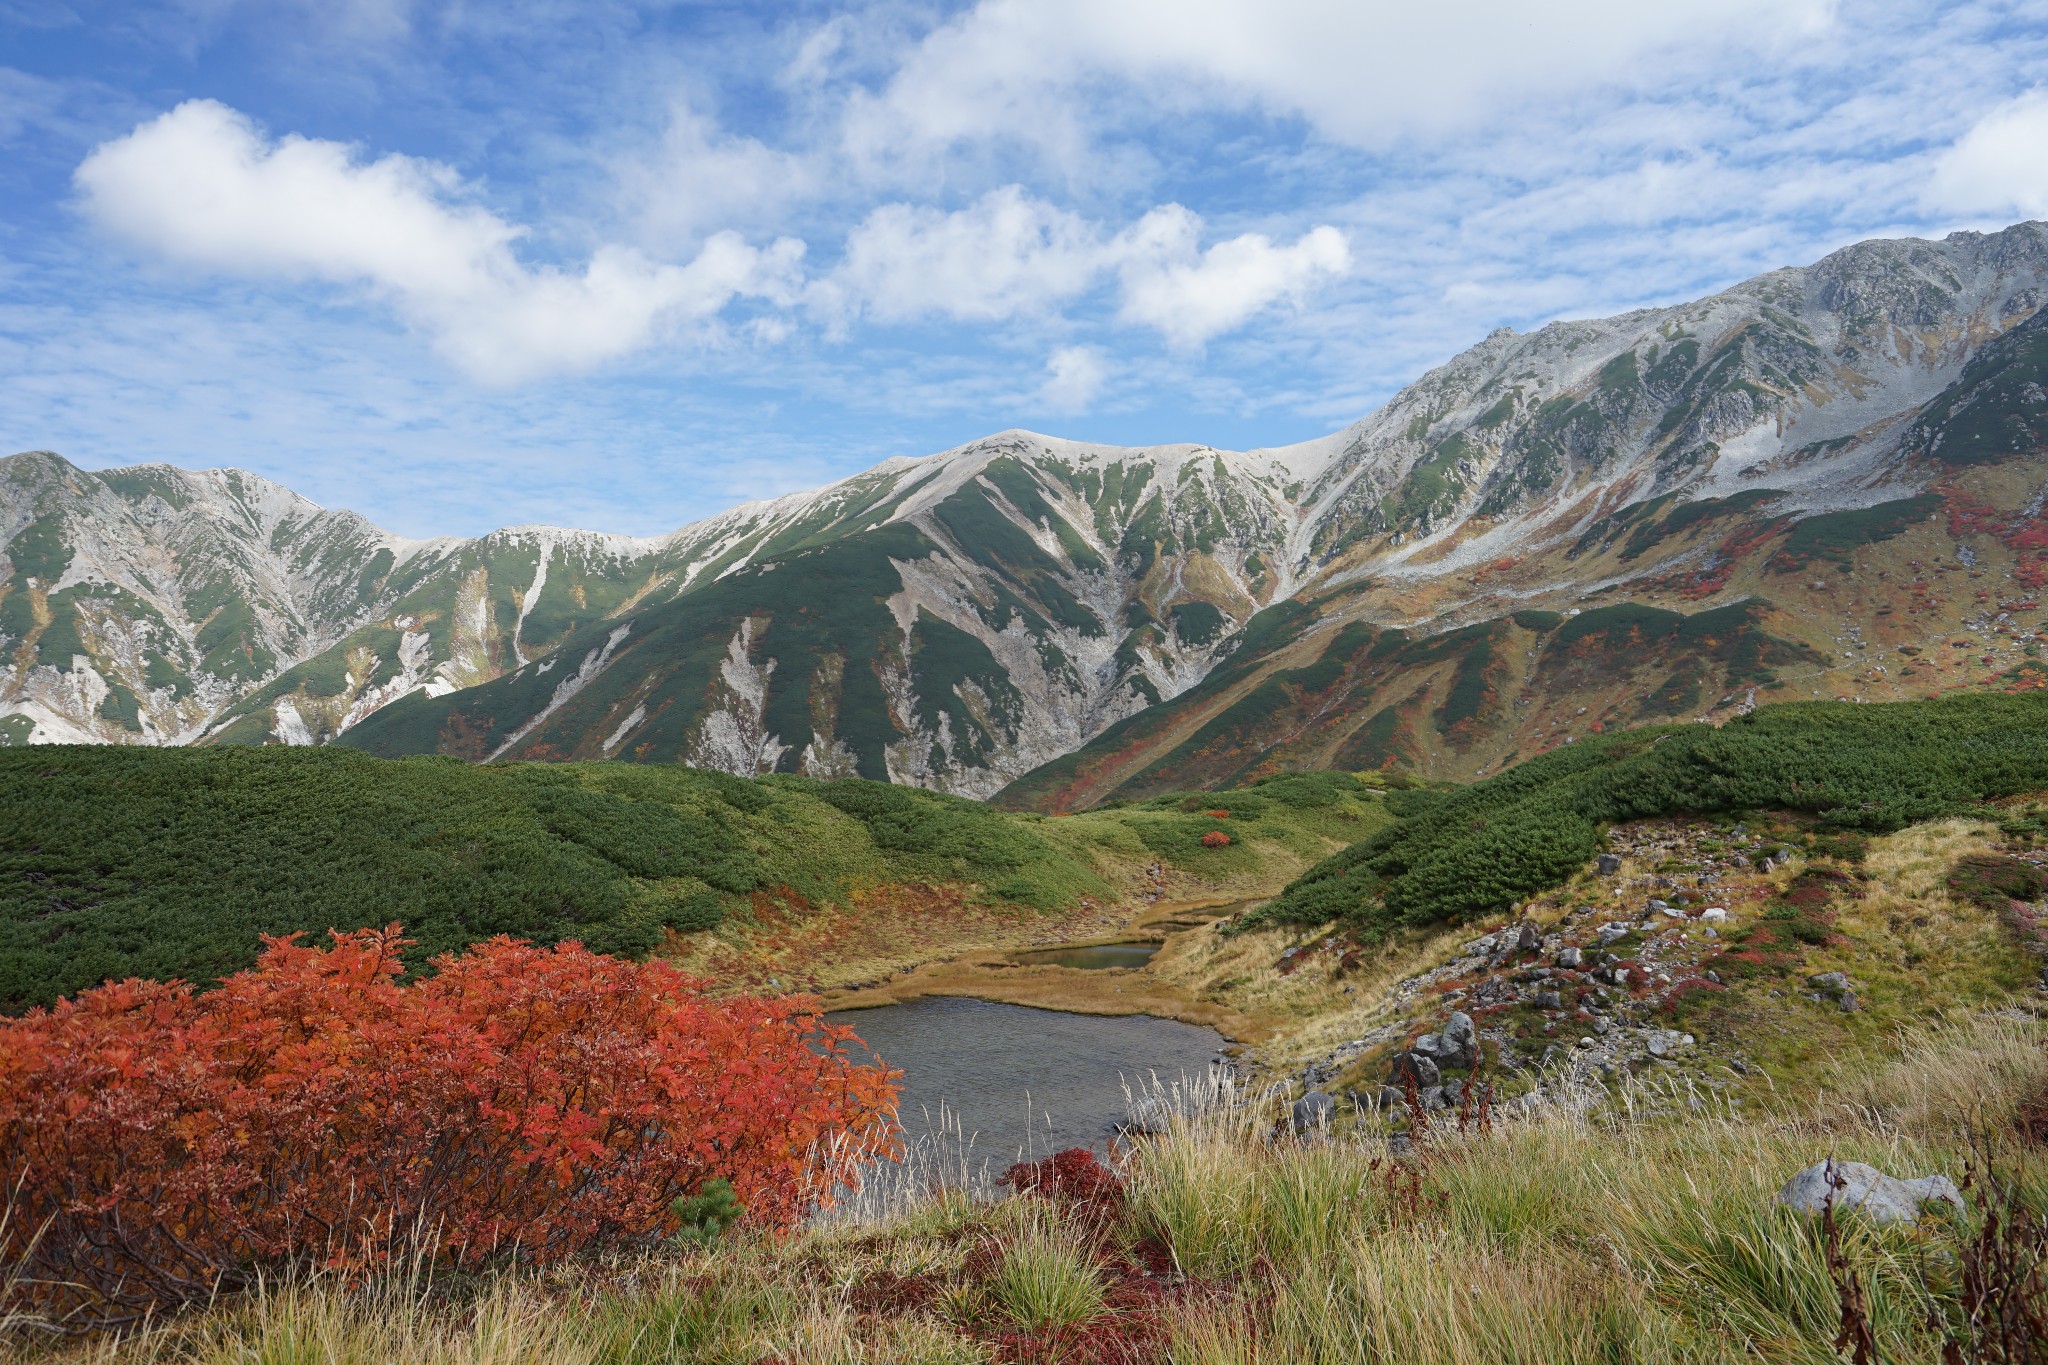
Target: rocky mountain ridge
(1107,619)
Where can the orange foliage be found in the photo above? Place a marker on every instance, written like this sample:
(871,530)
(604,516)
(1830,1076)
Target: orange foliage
(1215,838)
(314,1110)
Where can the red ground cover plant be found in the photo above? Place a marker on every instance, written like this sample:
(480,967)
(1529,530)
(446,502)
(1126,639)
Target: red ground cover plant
(162,1143)
(1215,838)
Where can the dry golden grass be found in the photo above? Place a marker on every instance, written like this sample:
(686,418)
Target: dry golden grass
(1642,1233)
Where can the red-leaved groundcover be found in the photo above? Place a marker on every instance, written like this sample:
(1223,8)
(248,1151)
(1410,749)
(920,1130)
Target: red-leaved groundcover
(162,1144)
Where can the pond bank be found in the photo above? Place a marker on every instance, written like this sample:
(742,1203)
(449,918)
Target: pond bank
(995,975)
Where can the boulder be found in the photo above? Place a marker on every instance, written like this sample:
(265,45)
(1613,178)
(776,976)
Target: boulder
(1665,1042)
(1882,1197)
(1836,986)
(1416,1065)
(1608,864)
(1314,1113)
(1549,1000)
(1714,914)
(1458,1043)
(1527,939)
(1570,958)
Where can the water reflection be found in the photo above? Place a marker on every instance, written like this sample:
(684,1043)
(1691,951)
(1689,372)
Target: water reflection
(1089,959)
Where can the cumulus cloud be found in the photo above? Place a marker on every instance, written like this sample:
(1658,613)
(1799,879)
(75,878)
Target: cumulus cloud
(203,186)
(1003,255)
(1009,254)
(700,176)
(1074,378)
(1361,72)
(1190,295)
(2000,165)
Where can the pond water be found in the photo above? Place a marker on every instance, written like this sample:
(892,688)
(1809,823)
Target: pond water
(1024,1081)
(1089,959)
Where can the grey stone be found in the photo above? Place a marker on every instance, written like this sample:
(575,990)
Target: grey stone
(1527,939)
(1421,1068)
(1570,958)
(1660,905)
(1881,1197)
(1458,1044)
(1664,1042)
(1549,1000)
(1314,1113)
(1608,864)
(1834,983)
(1432,1097)
(1611,931)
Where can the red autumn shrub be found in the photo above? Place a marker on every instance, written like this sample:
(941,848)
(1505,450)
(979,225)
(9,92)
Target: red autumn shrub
(1215,838)
(1073,1175)
(1217,814)
(314,1110)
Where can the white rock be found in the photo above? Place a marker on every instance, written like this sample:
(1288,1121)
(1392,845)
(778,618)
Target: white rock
(1882,1197)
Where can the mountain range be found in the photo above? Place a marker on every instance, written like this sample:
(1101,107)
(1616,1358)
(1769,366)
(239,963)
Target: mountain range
(1825,481)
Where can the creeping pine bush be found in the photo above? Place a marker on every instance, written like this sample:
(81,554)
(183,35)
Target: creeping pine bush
(1460,853)
(161,1144)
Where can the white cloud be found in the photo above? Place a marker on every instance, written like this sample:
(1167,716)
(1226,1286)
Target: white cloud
(2000,165)
(700,177)
(1074,377)
(1190,295)
(201,185)
(1004,255)
(1362,72)
(1009,254)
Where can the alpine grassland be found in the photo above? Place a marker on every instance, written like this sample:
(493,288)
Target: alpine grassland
(172,863)
(335,1149)
(1454,854)
(1641,1231)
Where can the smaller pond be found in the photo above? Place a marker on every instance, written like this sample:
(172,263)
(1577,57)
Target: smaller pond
(1089,959)
(1025,1081)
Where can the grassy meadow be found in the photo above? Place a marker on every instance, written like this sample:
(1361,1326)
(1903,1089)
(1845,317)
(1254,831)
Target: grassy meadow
(1619,1213)
(1642,1230)
(170,863)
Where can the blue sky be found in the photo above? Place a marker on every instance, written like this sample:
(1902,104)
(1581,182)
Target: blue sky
(621,265)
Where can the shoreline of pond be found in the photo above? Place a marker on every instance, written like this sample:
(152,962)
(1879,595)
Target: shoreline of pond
(997,976)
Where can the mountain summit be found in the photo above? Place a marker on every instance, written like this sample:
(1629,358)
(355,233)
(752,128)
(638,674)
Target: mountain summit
(1674,512)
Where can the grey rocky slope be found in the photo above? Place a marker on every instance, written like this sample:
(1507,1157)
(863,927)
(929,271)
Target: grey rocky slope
(960,620)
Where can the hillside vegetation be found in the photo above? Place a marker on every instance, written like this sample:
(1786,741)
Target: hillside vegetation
(167,863)
(1454,854)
